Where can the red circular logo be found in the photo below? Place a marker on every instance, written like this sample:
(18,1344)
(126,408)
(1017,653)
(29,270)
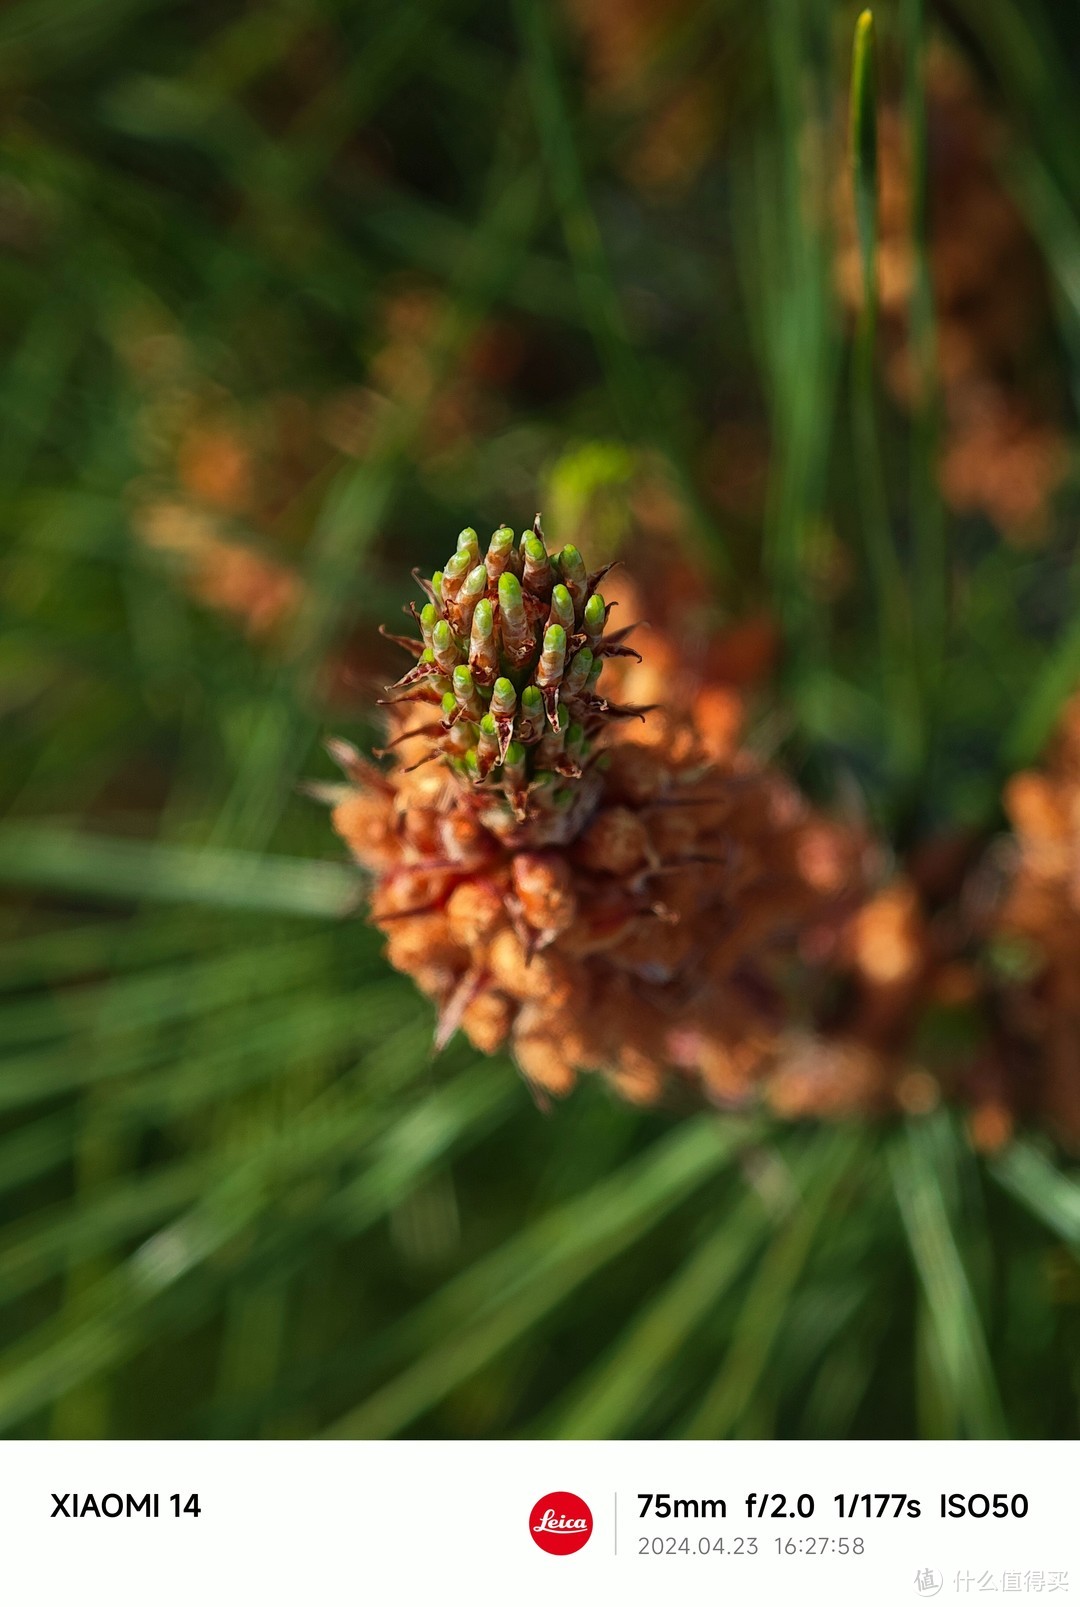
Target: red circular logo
(560,1523)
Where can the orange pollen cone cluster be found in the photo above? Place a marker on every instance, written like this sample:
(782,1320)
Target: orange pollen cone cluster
(593,891)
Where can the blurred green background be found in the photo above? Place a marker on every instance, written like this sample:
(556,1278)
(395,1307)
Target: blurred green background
(290,293)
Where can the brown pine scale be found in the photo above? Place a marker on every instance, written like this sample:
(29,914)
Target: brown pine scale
(620,895)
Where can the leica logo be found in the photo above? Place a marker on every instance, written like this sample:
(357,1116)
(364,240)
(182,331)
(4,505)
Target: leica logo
(560,1523)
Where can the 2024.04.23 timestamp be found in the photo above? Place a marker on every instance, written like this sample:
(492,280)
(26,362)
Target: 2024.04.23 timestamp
(747,1546)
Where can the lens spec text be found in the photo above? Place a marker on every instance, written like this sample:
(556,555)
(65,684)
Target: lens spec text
(956,1504)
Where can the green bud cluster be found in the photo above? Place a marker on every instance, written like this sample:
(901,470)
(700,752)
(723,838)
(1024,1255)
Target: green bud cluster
(512,646)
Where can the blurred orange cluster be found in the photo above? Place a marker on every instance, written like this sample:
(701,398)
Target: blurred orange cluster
(674,119)
(217,479)
(409,377)
(1004,451)
(229,486)
(1039,922)
(996,943)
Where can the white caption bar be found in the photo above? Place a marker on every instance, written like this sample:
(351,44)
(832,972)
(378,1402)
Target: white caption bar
(733,1522)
